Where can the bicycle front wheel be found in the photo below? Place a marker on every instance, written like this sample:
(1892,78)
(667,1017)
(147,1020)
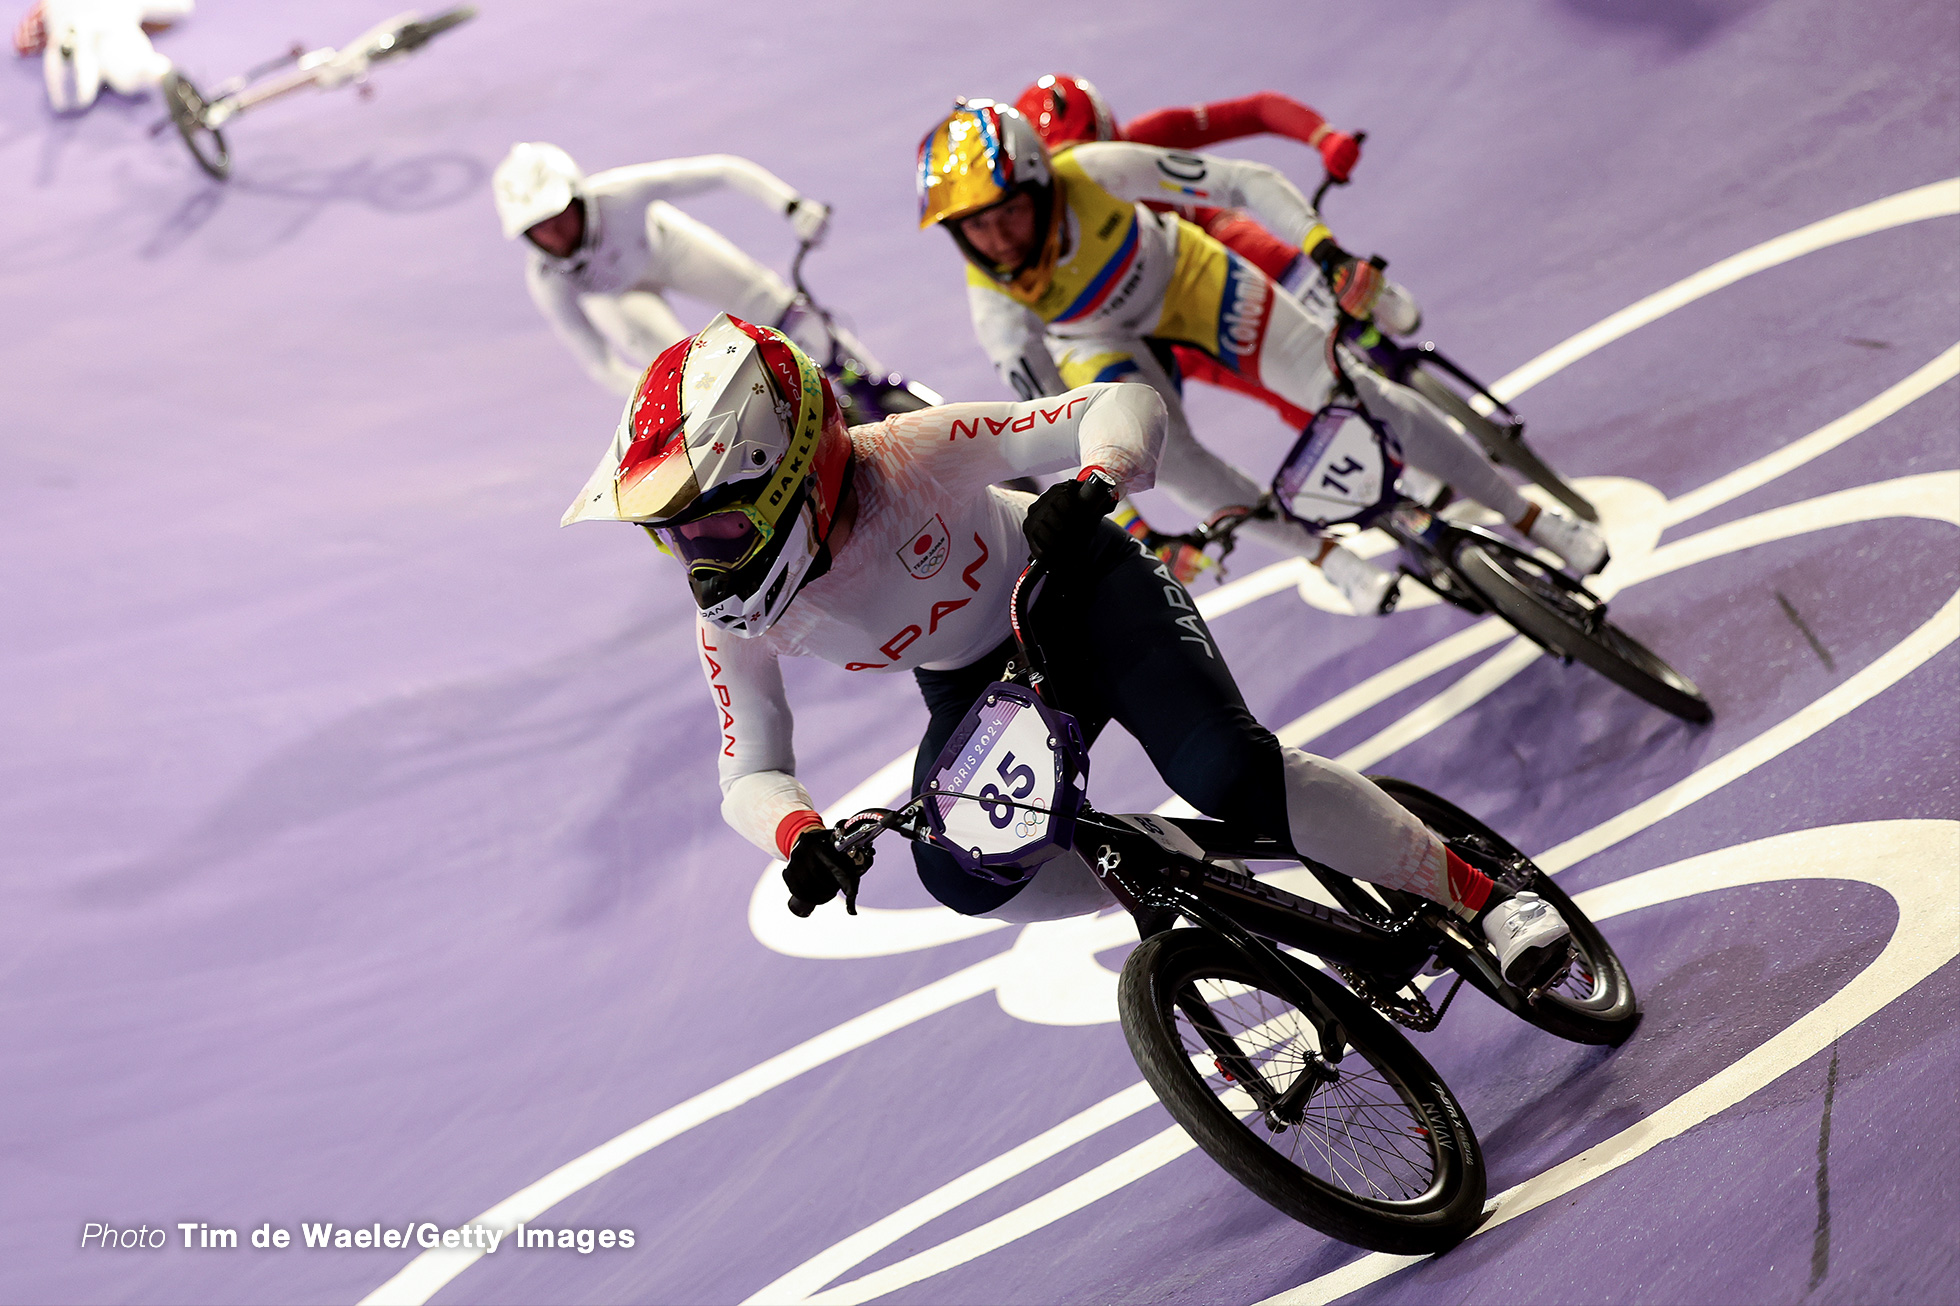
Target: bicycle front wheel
(187,109)
(1377,1153)
(1563,617)
(1500,444)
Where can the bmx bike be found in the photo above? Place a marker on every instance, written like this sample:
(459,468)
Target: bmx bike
(1302,1089)
(1427,370)
(1342,472)
(200,118)
(865,396)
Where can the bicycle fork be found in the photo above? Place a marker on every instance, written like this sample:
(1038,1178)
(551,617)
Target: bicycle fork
(1156,907)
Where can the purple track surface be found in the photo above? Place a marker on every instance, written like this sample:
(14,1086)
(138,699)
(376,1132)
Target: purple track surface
(362,860)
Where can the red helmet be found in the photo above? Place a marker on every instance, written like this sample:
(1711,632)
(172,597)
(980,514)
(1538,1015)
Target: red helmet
(1067,109)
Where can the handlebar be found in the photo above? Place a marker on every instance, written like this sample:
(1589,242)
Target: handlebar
(1329,180)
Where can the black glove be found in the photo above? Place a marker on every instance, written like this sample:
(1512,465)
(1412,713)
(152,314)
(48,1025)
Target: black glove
(818,869)
(1060,523)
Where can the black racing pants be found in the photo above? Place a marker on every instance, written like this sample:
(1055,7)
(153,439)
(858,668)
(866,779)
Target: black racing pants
(1125,643)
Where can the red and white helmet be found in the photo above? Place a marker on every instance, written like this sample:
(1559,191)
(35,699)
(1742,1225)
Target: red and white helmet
(1065,109)
(733,452)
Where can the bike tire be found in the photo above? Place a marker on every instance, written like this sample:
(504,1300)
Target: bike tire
(206,144)
(1404,1111)
(1596,1004)
(414,35)
(1531,597)
(1499,444)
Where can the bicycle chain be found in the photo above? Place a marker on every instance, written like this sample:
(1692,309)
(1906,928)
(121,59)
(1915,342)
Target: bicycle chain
(1405,1006)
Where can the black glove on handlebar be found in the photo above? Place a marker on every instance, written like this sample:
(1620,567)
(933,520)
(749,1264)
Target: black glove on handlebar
(1061,522)
(817,869)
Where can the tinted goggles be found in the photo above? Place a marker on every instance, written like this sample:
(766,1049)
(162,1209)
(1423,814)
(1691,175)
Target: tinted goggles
(719,541)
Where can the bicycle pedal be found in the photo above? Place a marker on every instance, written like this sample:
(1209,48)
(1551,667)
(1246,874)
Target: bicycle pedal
(1558,976)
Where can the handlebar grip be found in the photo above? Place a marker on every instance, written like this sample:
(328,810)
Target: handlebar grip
(798,907)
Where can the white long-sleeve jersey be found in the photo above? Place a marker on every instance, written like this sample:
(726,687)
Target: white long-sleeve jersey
(636,242)
(1120,259)
(925,576)
(97,41)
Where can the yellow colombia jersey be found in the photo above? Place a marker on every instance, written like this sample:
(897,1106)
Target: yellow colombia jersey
(1133,271)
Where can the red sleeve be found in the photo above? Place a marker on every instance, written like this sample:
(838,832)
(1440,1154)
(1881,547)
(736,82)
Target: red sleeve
(1206,124)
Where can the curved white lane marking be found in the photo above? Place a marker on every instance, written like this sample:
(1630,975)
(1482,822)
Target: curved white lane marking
(820,1269)
(1825,438)
(1933,495)
(1939,200)
(1914,861)
(426,1274)
(1917,862)
(422,1277)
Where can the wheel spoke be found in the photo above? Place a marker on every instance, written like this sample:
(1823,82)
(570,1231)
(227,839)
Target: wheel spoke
(1358,1133)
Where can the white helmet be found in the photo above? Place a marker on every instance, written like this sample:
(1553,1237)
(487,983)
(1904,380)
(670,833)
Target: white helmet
(534,182)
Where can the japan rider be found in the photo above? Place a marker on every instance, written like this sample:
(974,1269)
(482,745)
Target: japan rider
(606,250)
(892,548)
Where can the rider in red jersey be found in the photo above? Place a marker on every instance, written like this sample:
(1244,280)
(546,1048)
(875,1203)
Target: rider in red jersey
(1065,109)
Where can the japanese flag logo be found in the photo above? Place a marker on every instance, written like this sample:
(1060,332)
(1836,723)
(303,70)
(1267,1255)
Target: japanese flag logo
(925,553)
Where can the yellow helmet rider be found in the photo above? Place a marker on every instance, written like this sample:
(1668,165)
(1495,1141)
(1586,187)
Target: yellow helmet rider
(984,174)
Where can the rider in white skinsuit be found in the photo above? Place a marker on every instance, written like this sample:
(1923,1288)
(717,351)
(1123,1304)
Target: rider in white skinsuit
(606,294)
(99,41)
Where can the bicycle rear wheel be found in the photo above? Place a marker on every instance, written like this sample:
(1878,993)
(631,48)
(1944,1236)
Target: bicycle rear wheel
(1501,444)
(1564,617)
(1381,1156)
(1595,1002)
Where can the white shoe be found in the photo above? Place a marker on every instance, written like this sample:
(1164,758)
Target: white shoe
(1369,590)
(1397,312)
(1580,543)
(1530,937)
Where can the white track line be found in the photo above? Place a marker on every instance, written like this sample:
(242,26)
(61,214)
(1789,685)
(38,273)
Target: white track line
(1938,200)
(1915,861)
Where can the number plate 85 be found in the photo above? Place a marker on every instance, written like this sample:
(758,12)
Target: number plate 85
(1007,785)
